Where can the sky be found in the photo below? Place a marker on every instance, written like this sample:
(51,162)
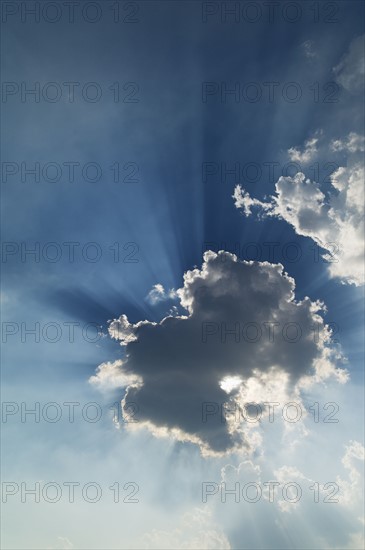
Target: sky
(182,288)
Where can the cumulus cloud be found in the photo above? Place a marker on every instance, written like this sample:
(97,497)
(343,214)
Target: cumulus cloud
(242,323)
(350,71)
(335,221)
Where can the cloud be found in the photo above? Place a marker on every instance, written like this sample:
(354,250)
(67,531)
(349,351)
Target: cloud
(244,201)
(308,153)
(110,375)
(121,329)
(63,543)
(352,490)
(334,221)
(354,143)
(350,71)
(159,294)
(182,361)
(245,472)
(289,474)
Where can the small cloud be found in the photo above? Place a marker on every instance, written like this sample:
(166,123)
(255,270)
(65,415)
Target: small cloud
(111,375)
(121,329)
(307,153)
(244,201)
(159,294)
(308,48)
(63,543)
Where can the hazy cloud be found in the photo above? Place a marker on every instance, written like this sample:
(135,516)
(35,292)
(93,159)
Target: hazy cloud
(354,143)
(350,71)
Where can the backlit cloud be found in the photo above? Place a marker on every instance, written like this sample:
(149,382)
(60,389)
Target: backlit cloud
(244,324)
(335,220)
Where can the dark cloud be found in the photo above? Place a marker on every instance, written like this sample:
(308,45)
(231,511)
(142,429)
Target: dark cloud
(183,359)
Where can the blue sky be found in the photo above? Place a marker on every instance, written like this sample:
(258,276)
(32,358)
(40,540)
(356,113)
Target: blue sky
(174,138)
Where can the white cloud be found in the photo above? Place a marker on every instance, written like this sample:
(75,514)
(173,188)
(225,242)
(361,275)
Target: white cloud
(308,153)
(334,221)
(110,376)
(352,490)
(243,200)
(159,294)
(245,472)
(182,361)
(350,71)
(63,544)
(121,329)
(291,474)
(354,143)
